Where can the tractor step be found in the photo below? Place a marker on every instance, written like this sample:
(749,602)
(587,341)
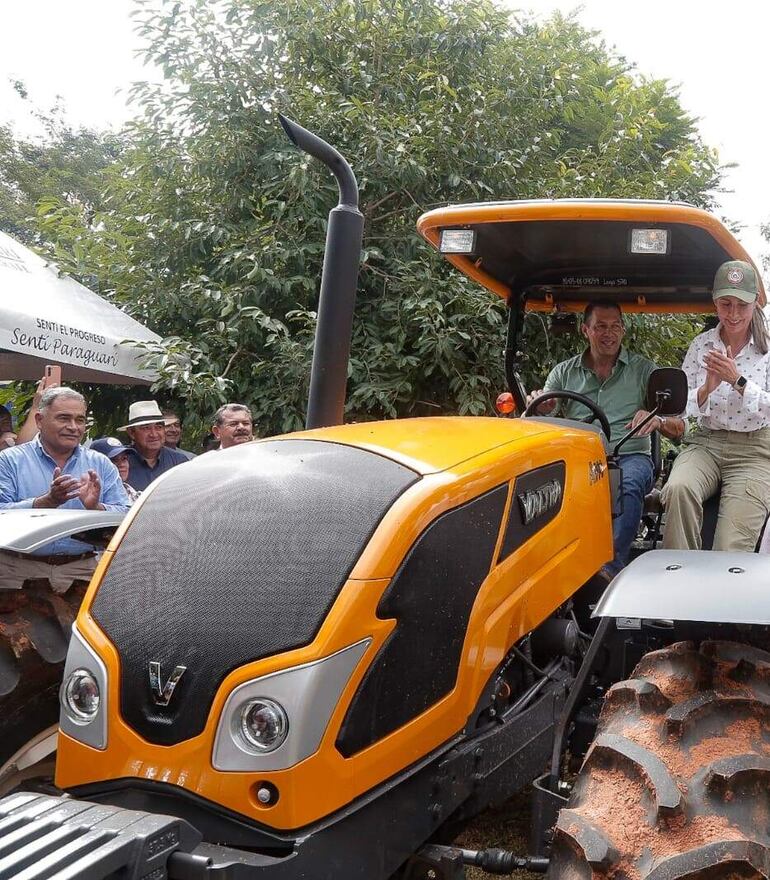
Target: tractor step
(434,862)
(43,837)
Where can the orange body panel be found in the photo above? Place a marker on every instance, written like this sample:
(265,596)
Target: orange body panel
(461,460)
(430,224)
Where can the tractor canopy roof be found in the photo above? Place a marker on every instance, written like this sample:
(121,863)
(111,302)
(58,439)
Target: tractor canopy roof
(559,254)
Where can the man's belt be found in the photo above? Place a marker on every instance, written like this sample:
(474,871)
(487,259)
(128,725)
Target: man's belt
(55,559)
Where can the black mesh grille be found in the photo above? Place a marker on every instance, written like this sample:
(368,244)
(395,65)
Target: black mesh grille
(431,597)
(236,556)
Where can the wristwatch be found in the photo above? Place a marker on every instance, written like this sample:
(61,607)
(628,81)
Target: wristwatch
(740,383)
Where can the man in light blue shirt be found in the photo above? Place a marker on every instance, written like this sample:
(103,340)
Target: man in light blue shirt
(54,471)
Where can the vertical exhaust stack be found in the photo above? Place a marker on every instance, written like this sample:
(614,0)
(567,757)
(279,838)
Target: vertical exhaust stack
(339,279)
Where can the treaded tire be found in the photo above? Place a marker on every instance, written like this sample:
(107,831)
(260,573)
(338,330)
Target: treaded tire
(35,629)
(677,781)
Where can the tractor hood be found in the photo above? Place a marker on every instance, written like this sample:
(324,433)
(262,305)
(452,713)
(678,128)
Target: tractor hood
(235,556)
(648,256)
(432,445)
(240,554)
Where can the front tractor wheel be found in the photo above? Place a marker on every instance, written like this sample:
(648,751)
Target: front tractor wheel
(677,782)
(35,628)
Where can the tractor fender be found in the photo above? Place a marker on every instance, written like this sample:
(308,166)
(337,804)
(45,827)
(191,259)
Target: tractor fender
(26,530)
(699,585)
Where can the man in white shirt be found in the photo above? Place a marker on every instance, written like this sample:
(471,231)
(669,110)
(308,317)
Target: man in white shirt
(233,425)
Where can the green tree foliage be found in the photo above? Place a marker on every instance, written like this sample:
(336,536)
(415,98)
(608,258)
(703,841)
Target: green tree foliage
(212,227)
(765,230)
(65,163)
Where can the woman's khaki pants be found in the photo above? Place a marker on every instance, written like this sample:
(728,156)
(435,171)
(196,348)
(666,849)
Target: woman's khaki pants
(740,462)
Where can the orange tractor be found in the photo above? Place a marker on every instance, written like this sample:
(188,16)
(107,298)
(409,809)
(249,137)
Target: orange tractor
(318,655)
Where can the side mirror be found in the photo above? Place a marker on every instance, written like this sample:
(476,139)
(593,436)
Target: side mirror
(666,396)
(667,391)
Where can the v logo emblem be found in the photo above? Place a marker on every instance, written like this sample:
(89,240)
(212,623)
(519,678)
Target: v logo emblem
(162,693)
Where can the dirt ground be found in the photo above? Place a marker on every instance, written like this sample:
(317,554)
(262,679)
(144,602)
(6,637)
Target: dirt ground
(506,827)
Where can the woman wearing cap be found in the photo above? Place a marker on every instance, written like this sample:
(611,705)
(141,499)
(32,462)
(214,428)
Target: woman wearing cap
(118,455)
(728,371)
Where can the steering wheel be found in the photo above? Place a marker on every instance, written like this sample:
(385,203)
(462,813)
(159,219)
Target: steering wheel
(597,413)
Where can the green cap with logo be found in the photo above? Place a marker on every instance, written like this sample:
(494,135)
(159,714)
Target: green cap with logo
(736,278)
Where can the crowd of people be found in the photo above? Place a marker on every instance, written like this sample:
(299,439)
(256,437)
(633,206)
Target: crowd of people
(52,468)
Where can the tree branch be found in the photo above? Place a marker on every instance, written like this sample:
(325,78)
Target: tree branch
(233,356)
(375,205)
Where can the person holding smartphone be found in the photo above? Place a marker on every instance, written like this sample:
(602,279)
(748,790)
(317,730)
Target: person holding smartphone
(51,379)
(728,372)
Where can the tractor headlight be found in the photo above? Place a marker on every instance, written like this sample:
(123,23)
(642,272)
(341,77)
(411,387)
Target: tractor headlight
(277,720)
(264,725)
(457,241)
(81,697)
(650,241)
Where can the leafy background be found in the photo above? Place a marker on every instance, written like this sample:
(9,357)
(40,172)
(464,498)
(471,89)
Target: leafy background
(203,222)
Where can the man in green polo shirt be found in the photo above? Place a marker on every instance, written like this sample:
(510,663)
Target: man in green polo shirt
(616,379)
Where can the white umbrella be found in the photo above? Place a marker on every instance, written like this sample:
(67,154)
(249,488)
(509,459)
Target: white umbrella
(46,318)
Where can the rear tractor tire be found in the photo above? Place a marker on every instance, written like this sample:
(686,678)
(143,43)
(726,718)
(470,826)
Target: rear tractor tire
(35,629)
(677,781)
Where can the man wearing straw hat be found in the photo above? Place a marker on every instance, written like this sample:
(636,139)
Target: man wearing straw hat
(148,456)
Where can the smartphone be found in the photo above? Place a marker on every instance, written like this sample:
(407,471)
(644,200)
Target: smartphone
(52,375)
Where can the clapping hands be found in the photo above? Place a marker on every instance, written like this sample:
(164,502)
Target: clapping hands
(90,489)
(64,488)
(719,368)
